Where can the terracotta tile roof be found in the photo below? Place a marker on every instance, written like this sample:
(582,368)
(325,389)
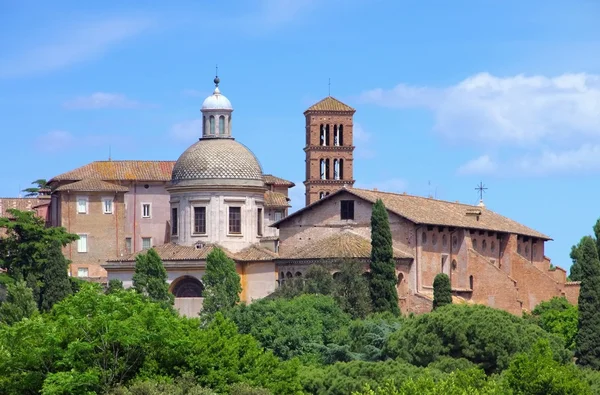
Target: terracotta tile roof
(23,204)
(429,211)
(421,210)
(255,253)
(330,104)
(272,180)
(176,252)
(121,170)
(276,199)
(343,245)
(92,185)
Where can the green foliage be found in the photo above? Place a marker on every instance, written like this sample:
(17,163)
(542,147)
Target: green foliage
(184,385)
(557,316)
(221,282)
(383,278)
(34,191)
(442,290)
(295,327)
(92,342)
(56,284)
(76,284)
(367,338)
(318,280)
(537,373)
(114,285)
(5,280)
(150,278)
(485,336)
(351,289)
(587,350)
(575,273)
(19,303)
(26,248)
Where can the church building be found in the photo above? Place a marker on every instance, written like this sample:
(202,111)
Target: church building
(216,194)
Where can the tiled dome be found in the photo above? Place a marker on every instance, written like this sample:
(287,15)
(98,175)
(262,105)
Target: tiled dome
(217,162)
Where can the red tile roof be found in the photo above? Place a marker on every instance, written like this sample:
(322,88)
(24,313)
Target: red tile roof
(272,180)
(92,185)
(276,199)
(121,170)
(330,104)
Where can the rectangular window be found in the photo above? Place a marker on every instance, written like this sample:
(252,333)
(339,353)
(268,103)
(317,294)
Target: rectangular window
(146,243)
(82,205)
(174,224)
(259,222)
(82,272)
(278,215)
(146,210)
(107,205)
(347,209)
(82,243)
(128,245)
(200,220)
(235,220)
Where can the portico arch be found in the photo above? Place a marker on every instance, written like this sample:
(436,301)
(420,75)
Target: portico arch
(187,287)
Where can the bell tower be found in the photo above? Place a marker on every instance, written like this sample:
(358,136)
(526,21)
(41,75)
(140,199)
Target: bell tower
(329,148)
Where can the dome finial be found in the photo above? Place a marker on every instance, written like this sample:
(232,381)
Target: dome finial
(217,80)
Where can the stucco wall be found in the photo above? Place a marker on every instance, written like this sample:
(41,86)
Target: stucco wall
(155,227)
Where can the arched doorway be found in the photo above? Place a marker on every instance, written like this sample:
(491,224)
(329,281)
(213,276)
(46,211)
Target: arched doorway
(187,287)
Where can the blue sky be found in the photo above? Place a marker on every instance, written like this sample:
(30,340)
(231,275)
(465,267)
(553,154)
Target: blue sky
(447,93)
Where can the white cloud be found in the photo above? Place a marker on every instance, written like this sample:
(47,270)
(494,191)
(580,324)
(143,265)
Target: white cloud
(482,165)
(270,15)
(101,100)
(187,131)
(75,44)
(54,141)
(519,110)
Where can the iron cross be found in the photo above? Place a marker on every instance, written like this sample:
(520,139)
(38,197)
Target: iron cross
(481,189)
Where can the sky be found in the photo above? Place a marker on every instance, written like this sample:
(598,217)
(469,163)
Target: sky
(447,93)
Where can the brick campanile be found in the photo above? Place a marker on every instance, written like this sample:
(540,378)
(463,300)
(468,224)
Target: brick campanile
(329,149)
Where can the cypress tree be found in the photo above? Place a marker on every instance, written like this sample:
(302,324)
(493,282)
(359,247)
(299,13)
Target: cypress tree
(587,341)
(150,278)
(352,289)
(221,283)
(383,278)
(442,291)
(56,284)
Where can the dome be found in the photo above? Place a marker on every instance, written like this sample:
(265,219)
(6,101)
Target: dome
(216,102)
(220,162)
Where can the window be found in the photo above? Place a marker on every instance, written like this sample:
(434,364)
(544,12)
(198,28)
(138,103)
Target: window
(259,222)
(454,241)
(444,240)
(174,221)
(199,220)
(128,245)
(424,238)
(347,209)
(492,246)
(322,136)
(324,168)
(471,282)
(204,124)
(527,249)
(211,120)
(434,239)
(321,195)
(278,215)
(341,170)
(82,243)
(336,169)
(82,272)
(341,134)
(146,243)
(107,205)
(221,125)
(82,205)
(327,135)
(474,244)
(336,136)
(483,245)
(235,220)
(146,212)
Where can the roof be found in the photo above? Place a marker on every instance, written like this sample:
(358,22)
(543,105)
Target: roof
(428,211)
(121,170)
(272,180)
(92,185)
(276,199)
(330,104)
(23,204)
(342,245)
(255,253)
(176,252)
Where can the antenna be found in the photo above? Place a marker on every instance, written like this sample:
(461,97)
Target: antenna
(109,152)
(481,189)
(329,88)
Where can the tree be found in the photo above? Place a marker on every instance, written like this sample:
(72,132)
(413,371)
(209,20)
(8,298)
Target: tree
(114,285)
(150,278)
(221,283)
(318,280)
(34,191)
(26,248)
(575,273)
(383,268)
(56,284)
(442,290)
(352,289)
(557,316)
(587,341)
(19,303)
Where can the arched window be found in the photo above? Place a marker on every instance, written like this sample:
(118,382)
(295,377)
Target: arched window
(444,240)
(204,124)
(187,287)
(229,125)
(341,134)
(327,172)
(434,239)
(400,278)
(323,169)
(212,124)
(321,195)
(322,136)
(471,282)
(483,245)
(454,241)
(327,135)
(336,169)
(341,169)
(336,135)
(424,238)
(281,278)
(474,244)
(326,193)
(298,274)
(289,275)
(493,246)
(221,125)
(336,275)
